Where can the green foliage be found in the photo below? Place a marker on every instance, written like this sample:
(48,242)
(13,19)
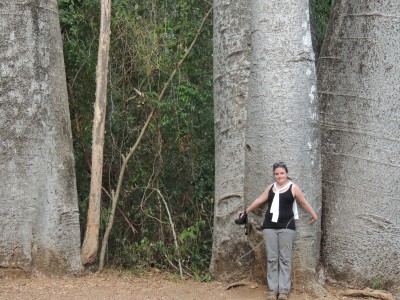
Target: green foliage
(320,11)
(195,247)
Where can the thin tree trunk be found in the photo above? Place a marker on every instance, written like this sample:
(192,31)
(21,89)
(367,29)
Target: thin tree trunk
(91,240)
(115,195)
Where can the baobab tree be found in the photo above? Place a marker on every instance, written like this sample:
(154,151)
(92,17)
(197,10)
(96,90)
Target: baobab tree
(231,72)
(359,77)
(283,120)
(263,116)
(39,228)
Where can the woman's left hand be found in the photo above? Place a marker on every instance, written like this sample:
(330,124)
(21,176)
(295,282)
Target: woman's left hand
(314,219)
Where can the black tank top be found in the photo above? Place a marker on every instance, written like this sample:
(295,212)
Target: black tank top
(286,216)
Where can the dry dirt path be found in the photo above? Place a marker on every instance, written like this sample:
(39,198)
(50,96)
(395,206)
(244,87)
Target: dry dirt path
(124,285)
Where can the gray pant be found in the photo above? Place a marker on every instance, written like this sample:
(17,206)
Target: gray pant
(278,244)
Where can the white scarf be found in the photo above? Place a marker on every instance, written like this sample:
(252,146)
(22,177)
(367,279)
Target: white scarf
(275,203)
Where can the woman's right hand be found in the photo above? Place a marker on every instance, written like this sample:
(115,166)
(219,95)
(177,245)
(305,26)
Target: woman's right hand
(241,213)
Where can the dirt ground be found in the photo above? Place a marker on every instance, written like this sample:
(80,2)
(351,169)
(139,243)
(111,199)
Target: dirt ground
(112,284)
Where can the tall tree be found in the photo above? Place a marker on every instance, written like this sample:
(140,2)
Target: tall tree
(231,72)
(359,90)
(91,241)
(39,211)
(283,119)
(282,123)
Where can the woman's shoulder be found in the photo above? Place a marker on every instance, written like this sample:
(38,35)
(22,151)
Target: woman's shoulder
(295,188)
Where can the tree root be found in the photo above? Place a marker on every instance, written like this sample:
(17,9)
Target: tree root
(241,283)
(236,284)
(378,294)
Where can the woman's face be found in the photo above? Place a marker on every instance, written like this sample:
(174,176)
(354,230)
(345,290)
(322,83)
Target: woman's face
(280,175)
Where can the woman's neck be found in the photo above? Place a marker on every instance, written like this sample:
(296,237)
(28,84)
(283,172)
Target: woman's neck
(280,186)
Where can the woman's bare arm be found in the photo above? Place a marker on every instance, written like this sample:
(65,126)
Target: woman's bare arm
(260,200)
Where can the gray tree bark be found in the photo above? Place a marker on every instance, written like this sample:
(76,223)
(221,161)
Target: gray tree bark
(39,227)
(359,89)
(283,121)
(231,71)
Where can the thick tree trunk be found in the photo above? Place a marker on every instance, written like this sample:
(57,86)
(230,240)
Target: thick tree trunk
(283,121)
(359,88)
(231,71)
(281,124)
(91,241)
(39,228)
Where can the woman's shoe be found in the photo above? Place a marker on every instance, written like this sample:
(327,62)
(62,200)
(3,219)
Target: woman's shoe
(282,297)
(272,296)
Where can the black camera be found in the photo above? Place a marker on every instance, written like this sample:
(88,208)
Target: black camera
(242,220)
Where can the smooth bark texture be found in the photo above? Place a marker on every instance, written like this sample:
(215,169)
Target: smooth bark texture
(91,241)
(39,227)
(283,122)
(231,71)
(359,88)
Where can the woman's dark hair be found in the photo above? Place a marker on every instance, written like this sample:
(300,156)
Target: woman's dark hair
(280,164)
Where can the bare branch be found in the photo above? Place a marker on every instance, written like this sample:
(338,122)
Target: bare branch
(173,230)
(134,231)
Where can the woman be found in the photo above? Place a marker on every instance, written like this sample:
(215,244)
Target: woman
(279,228)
